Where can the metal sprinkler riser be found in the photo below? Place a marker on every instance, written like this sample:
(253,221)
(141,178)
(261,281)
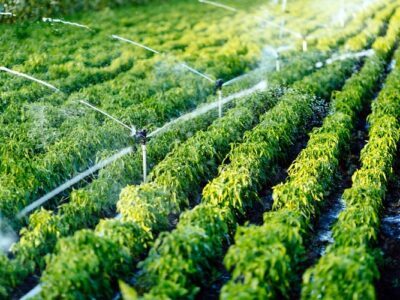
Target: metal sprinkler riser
(219,83)
(141,138)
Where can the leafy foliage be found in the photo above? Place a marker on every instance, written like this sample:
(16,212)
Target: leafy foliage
(210,224)
(148,206)
(350,266)
(310,179)
(46,138)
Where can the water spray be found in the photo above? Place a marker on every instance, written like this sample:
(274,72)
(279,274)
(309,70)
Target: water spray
(281,28)
(218,83)
(194,71)
(273,24)
(364,53)
(217,4)
(236,79)
(30,78)
(7,236)
(7,14)
(139,136)
(158,52)
(135,43)
(73,181)
(275,52)
(131,128)
(341,57)
(50,20)
(261,86)
(143,137)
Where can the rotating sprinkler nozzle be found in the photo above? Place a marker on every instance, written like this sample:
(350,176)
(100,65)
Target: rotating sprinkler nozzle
(141,136)
(219,83)
(277,63)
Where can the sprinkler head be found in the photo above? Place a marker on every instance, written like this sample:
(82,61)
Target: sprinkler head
(141,136)
(218,84)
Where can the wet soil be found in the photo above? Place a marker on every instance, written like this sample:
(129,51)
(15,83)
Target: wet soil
(388,287)
(255,215)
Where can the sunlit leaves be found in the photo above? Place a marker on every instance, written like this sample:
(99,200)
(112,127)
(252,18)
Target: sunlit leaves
(350,266)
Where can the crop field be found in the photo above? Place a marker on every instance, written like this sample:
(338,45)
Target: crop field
(185,149)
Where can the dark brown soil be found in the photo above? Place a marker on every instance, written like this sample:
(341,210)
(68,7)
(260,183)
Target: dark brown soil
(255,214)
(388,286)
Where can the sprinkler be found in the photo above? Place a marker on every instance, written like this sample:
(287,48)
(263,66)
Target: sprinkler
(284,4)
(305,46)
(218,90)
(128,150)
(278,63)
(282,28)
(141,137)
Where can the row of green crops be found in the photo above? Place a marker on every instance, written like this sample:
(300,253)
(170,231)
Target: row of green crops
(301,70)
(368,34)
(45,228)
(267,266)
(197,242)
(84,49)
(69,217)
(47,141)
(362,22)
(349,268)
(56,52)
(146,208)
(37,241)
(302,66)
(192,36)
(90,50)
(50,140)
(162,26)
(42,144)
(88,204)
